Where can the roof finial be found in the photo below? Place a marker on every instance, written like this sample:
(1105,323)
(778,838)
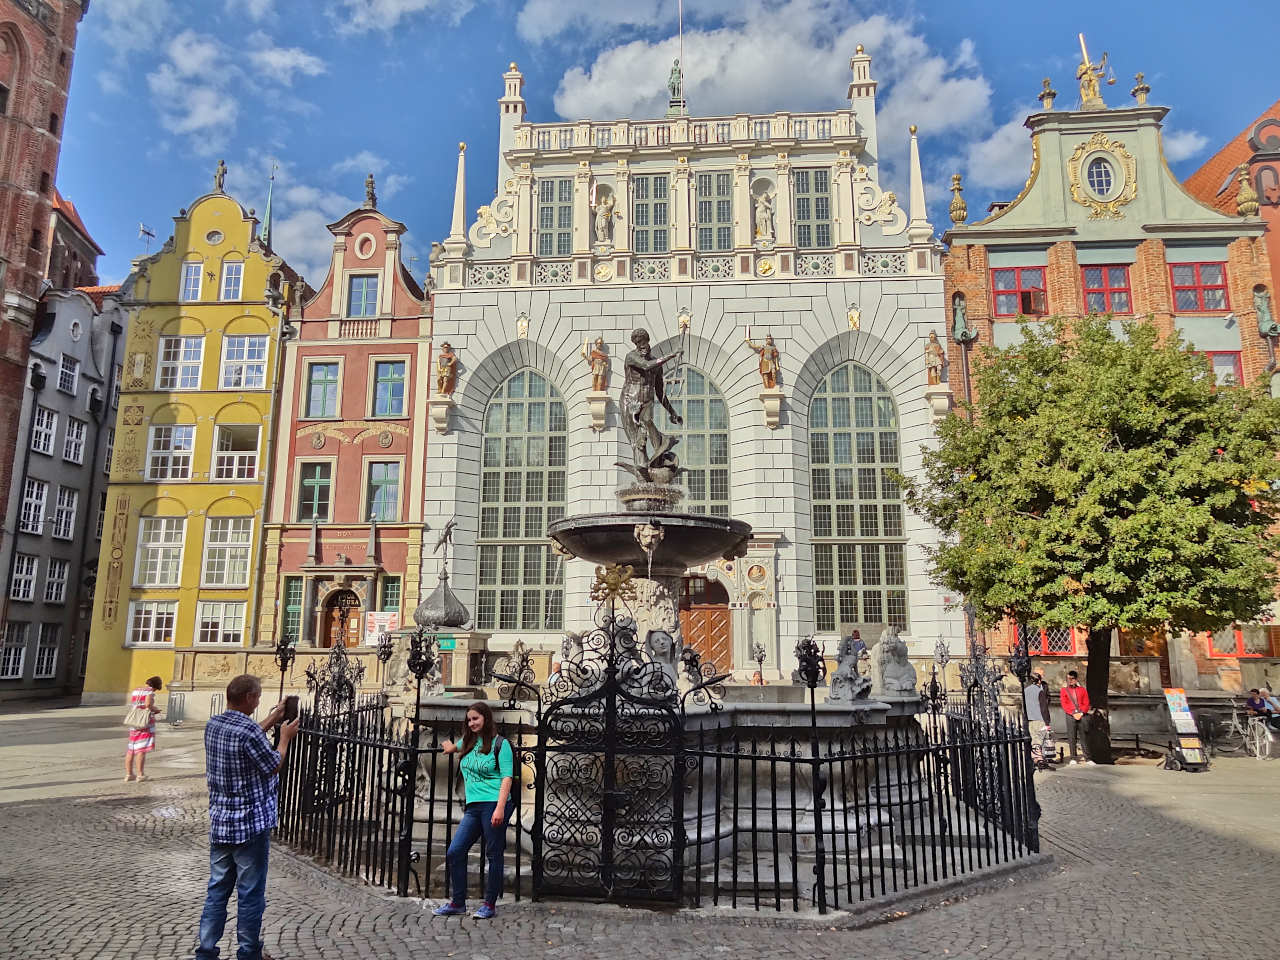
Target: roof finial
(266,216)
(219,177)
(1047,94)
(1141,91)
(1246,196)
(370,194)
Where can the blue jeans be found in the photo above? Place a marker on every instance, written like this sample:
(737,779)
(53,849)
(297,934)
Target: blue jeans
(242,866)
(476,819)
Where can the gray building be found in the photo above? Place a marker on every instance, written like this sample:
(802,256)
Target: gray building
(56,502)
(710,233)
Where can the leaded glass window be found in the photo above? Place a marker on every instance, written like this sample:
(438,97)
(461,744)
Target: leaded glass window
(555,217)
(522,489)
(704,442)
(859,541)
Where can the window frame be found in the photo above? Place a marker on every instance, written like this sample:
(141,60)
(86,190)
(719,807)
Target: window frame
(203,618)
(644,198)
(185,292)
(1106,291)
(700,479)
(19,643)
(383,583)
(304,405)
(369,495)
(80,429)
(43,644)
(71,373)
(329,464)
(44,429)
(1200,287)
(290,608)
(1019,291)
(812,220)
(364,304)
(1239,653)
(235,460)
(110,451)
(227,275)
(246,364)
(63,525)
(1236,355)
(51,581)
(717,224)
(171,455)
(225,553)
(26,577)
(154,610)
(102,513)
(1077,637)
(32,520)
(375,382)
(558,234)
(163,551)
(181,368)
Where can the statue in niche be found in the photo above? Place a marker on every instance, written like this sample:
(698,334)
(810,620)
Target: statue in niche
(642,385)
(603,211)
(960,331)
(675,82)
(219,176)
(599,360)
(446,371)
(934,359)
(891,671)
(764,216)
(768,359)
(1267,325)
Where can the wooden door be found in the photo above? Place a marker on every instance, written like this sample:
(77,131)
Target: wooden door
(705,622)
(333,621)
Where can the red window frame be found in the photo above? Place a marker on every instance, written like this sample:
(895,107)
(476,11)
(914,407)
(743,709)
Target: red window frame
(1038,641)
(1107,289)
(1033,301)
(1235,355)
(1199,287)
(1239,652)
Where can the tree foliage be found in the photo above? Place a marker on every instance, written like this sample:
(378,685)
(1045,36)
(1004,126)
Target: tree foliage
(1101,480)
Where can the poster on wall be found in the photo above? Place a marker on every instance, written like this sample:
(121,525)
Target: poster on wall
(1185,725)
(379,623)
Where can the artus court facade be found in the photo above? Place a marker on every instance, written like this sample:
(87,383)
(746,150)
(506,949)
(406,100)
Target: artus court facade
(712,234)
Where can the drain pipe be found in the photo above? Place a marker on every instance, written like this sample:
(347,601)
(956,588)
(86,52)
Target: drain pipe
(37,383)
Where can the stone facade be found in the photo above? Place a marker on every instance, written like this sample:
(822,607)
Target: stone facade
(37,46)
(707,232)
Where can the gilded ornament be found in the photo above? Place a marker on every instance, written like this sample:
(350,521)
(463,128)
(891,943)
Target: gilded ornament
(765,267)
(1246,196)
(1089,74)
(1127,174)
(959,209)
(1047,94)
(1140,90)
(614,582)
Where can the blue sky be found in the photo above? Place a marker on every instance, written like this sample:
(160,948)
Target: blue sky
(331,89)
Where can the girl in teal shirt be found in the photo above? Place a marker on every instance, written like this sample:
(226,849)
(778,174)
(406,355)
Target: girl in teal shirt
(487,766)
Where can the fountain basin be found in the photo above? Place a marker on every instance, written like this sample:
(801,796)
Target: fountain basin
(688,539)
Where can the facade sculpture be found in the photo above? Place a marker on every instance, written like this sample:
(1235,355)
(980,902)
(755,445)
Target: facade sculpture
(768,360)
(764,217)
(446,370)
(675,82)
(370,194)
(934,359)
(598,359)
(1089,74)
(603,211)
(642,386)
(1267,325)
(219,176)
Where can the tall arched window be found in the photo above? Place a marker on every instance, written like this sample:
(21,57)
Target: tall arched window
(704,442)
(522,489)
(859,547)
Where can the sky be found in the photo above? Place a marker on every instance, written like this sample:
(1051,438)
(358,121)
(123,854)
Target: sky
(330,90)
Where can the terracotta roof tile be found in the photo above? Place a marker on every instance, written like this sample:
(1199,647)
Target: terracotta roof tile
(96,294)
(72,215)
(1215,183)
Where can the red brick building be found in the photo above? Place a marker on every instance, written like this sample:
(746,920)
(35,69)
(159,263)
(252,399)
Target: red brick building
(344,533)
(1102,226)
(37,45)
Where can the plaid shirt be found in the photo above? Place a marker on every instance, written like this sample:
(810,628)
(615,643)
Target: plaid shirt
(240,767)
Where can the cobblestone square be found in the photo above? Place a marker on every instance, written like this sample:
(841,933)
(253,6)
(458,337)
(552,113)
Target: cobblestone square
(1147,863)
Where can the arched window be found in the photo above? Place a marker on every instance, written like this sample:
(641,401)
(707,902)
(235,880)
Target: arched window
(522,489)
(859,547)
(704,442)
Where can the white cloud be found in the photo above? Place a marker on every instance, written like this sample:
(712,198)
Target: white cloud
(1003,158)
(541,20)
(128,27)
(392,185)
(255,10)
(282,63)
(1183,144)
(363,162)
(191,91)
(364,16)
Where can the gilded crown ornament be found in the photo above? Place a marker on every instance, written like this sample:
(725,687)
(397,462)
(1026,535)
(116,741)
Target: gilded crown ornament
(614,582)
(959,209)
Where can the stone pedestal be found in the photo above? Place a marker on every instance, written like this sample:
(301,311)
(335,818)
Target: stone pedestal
(438,408)
(771,401)
(939,398)
(598,404)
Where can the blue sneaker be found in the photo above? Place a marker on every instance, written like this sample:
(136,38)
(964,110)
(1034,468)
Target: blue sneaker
(450,909)
(486,912)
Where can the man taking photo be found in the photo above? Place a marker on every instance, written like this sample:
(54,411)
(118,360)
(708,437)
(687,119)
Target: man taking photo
(241,768)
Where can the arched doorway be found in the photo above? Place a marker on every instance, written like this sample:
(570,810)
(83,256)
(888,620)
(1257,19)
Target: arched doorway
(341,607)
(705,621)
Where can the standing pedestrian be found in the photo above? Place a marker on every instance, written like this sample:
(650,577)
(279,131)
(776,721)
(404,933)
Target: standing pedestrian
(240,767)
(142,739)
(487,764)
(1075,704)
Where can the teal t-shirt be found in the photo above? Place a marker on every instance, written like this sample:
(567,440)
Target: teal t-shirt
(482,773)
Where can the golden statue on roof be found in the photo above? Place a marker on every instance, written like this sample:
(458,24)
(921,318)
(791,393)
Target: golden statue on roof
(1089,74)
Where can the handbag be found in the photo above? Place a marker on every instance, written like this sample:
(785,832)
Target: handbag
(138,718)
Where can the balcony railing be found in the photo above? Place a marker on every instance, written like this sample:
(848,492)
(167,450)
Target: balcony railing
(358,329)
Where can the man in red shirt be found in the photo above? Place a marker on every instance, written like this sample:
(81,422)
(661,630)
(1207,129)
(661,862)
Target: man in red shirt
(1075,704)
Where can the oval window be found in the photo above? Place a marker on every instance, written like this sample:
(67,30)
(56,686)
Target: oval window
(1101,177)
(214,236)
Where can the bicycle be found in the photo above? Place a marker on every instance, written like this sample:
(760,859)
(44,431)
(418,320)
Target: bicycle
(1244,733)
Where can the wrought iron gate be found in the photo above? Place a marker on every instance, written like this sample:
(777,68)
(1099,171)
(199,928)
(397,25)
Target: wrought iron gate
(608,819)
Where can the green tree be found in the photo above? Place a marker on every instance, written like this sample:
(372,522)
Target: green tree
(1100,480)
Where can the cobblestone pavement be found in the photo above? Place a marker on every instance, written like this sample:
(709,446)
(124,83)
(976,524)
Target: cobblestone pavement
(1149,864)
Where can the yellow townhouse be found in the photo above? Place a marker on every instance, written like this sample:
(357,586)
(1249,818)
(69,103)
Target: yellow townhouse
(181,548)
